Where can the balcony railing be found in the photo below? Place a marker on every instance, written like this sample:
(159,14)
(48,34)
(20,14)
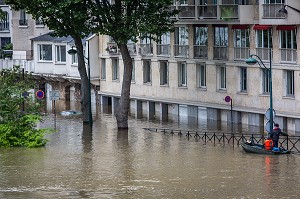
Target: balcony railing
(207,11)
(146,49)
(263,53)
(221,52)
(229,11)
(200,52)
(271,11)
(163,50)
(241,53)
(181,50)
(288,55)
(187,11)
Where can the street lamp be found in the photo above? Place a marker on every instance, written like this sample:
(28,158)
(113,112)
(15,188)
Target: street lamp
(253,61)
(284,10)
(73,51)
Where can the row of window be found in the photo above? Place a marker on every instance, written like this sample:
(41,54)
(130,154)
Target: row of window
(201,76)
(45,53)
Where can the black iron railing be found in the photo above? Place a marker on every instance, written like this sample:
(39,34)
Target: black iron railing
(291,143)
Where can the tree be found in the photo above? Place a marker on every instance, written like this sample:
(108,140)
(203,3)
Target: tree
(123,20)
(65,18)
(126,20)
(18,128)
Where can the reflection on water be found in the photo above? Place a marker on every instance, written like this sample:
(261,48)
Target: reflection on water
(102,162)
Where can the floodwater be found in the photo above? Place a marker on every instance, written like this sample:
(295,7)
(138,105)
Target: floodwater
(104,163)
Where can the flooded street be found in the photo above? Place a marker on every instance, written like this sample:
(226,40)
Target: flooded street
(105,163)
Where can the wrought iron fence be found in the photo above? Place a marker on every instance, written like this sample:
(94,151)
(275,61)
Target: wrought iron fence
(291,143)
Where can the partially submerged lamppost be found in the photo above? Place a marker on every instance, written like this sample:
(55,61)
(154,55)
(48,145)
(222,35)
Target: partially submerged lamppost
(267,71)
(73,51)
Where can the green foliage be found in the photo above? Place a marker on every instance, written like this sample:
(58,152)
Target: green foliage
(18,128)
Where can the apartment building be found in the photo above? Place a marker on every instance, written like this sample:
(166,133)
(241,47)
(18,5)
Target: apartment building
(190,72)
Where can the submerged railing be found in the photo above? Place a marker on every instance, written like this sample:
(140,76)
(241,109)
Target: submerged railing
(291,143)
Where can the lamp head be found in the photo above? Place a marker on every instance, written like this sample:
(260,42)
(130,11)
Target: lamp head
(251,61)
(72,51)
(283,10)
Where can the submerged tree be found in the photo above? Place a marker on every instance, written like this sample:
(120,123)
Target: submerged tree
(126,20)
(18,123)
(123,20)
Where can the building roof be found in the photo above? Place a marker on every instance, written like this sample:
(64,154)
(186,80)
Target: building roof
(56,39)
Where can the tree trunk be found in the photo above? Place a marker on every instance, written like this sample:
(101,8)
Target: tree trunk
(84,80)
(124,103)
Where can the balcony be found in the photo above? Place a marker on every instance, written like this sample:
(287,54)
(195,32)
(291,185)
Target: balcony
(229,11)
(112,48)
(221,52)
(271,11)
(187,12)
(200,52)
(146,49)
(288,55)
(207,11)
(241,53)
(181,50)
(163,50)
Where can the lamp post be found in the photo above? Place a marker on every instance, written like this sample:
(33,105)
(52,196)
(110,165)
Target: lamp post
(73,51)
(284,10)
(253,61)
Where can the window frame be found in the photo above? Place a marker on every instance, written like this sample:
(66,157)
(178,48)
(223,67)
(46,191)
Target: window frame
(265,81)
(115,69)
(260,38)
(60,53)
(182,74)
(103,69)
(41,49)
(221,36)
(283,35)
(243,79)
(201,75)
(164,73)
(147,72)
(290,83)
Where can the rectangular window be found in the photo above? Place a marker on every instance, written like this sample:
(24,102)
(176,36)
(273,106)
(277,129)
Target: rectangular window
(133,71)
(221,77)
(264,39)
(266,81)
(221,36)
(4,22)
(60,53)
(103,68)
(201,75)
(181,36)
(288,39)
(23,18)
(163,69)
(290,89)
(45,52)
(182,74)
(115,69)
(75,59)
(241,38)
(200,36)
(243,79)
(147,71)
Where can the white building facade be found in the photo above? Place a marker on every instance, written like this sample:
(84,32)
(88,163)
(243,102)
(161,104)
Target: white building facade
(190,71)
